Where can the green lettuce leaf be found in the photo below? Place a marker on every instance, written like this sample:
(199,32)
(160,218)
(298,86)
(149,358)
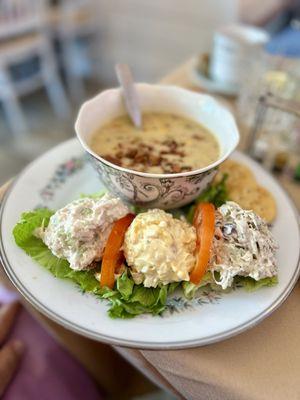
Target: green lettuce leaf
(147,297)
(172,287)
(125,286)
(190,289)
(130,299)
(23,231)
(251,284)
(96,195)
(216,193)
(138,209)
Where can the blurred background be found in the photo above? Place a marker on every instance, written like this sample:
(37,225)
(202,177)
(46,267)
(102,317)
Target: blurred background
(56,53)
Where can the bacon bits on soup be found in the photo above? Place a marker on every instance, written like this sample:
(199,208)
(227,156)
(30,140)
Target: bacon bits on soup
(166,143)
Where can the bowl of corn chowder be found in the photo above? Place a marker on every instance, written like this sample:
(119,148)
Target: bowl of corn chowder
(172,158)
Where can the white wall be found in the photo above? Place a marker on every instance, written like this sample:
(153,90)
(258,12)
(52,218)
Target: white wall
(154,36)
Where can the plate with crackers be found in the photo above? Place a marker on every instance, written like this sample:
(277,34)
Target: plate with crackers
(211,316)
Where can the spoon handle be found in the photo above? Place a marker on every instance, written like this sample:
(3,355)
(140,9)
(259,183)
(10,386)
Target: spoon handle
(125,79)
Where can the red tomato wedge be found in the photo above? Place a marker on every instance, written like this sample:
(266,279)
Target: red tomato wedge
(111,256)
(204,222)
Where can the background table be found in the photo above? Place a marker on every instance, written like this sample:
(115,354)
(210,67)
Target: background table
(260,364)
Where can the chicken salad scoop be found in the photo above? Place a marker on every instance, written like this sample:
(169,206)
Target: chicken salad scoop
(79,231)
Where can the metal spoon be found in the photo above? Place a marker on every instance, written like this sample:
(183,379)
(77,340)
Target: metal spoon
(126,81)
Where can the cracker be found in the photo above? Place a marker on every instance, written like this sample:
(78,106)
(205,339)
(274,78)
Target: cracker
(244,190)
(255,198)
(238,175)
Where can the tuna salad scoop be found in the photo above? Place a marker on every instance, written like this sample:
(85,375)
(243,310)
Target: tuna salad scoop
(243,245)
(159,248)
(79,231)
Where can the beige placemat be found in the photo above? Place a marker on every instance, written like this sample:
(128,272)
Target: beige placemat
(260,364)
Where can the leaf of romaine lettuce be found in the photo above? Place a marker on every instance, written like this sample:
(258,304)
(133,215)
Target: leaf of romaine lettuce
(96,195)
(23,231)
(190,289)
(138,209)
(145,296)
(172,287)
(125,286)
(217,194)
(251,284)
(130,299)
(117,311)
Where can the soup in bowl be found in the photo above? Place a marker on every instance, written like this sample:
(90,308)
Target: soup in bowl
(172,158)
(166,143)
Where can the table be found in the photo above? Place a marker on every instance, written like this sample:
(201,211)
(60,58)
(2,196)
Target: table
(260,364)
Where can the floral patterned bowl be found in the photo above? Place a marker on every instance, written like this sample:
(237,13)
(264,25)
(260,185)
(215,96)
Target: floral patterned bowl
(157,190)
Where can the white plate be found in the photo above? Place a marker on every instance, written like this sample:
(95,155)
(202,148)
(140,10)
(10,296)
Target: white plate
(60,176)
(204,82)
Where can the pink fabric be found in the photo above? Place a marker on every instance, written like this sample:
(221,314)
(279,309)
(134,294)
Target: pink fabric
(47,371)
(7,296)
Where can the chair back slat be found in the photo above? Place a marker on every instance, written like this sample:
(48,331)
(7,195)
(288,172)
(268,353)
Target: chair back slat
(20,16)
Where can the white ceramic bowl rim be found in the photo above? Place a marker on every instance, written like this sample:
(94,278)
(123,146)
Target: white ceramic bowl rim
(147,174)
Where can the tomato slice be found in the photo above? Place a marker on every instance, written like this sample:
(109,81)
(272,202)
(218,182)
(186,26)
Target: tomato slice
(112,255)
(204,222)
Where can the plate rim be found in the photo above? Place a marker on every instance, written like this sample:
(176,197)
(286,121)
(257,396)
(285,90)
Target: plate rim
(133,343)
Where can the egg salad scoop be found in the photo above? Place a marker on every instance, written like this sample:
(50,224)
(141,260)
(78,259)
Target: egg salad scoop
(160,249)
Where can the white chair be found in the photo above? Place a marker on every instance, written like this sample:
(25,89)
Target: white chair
(76,19)
(23,35)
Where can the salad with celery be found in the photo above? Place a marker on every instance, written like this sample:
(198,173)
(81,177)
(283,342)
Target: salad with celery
(135,258)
